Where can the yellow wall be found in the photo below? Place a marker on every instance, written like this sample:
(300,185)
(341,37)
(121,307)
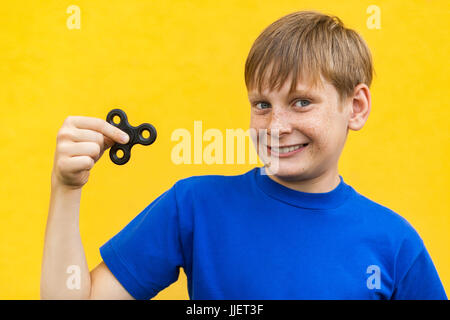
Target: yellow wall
(172,62)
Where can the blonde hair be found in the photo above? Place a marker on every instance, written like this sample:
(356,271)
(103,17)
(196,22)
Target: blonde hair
(309,44)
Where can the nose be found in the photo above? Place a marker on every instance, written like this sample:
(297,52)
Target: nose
(280,124)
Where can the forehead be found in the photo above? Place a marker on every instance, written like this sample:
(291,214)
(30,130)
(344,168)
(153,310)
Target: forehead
(302,87)
(305,89)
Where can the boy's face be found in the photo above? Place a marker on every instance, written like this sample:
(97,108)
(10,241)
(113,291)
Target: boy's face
(314,117)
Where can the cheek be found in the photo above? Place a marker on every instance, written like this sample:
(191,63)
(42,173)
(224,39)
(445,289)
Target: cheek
(257,125)
(322,133)
(256,122)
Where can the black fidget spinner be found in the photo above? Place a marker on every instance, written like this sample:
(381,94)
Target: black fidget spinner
(135,134)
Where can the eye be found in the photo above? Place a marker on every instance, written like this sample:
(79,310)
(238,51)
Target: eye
(260,102)
(304,103)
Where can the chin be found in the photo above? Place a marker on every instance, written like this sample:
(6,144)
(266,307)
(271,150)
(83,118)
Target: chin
(287,172)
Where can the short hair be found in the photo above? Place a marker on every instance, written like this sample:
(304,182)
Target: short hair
(309,44)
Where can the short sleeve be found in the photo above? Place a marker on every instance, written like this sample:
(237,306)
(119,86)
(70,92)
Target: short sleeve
(421,281)
(145,256)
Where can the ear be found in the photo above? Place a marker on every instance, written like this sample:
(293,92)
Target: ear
(360,105)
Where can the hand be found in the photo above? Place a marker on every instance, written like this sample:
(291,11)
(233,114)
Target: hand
(80,143)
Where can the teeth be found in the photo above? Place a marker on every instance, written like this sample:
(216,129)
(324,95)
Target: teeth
(287,149)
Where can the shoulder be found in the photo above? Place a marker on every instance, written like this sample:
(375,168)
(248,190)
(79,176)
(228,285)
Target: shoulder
(389,232)
(210,181)
(387,222)
(208,185)
(216,179)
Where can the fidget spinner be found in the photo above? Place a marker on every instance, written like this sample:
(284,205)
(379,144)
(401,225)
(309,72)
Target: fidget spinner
(135,134)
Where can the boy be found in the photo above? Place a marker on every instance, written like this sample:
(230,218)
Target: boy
(294,231)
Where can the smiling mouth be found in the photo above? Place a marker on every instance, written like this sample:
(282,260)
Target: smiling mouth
(287,150)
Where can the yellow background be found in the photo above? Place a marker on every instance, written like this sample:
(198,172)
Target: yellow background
(172,62)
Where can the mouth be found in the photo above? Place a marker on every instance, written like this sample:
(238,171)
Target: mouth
(283,152)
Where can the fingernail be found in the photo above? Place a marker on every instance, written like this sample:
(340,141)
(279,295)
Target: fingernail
(124,138)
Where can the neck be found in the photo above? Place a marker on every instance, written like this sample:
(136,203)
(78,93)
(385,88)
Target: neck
(323,183)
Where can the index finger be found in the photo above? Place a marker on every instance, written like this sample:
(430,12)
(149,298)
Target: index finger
(101,126)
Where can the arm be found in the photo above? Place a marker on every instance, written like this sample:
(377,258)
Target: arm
(63,248)
(80,143)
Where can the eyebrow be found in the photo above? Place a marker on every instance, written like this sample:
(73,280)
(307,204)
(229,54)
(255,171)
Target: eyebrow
(305,93)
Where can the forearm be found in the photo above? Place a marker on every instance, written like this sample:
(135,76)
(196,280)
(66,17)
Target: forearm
(63,254)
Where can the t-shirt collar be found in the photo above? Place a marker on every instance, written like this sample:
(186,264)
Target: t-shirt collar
(326,200)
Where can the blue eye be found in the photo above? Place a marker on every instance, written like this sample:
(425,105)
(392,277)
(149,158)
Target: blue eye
(259,103)
(303,105)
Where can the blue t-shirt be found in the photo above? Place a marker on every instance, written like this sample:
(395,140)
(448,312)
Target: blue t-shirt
(248,237)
